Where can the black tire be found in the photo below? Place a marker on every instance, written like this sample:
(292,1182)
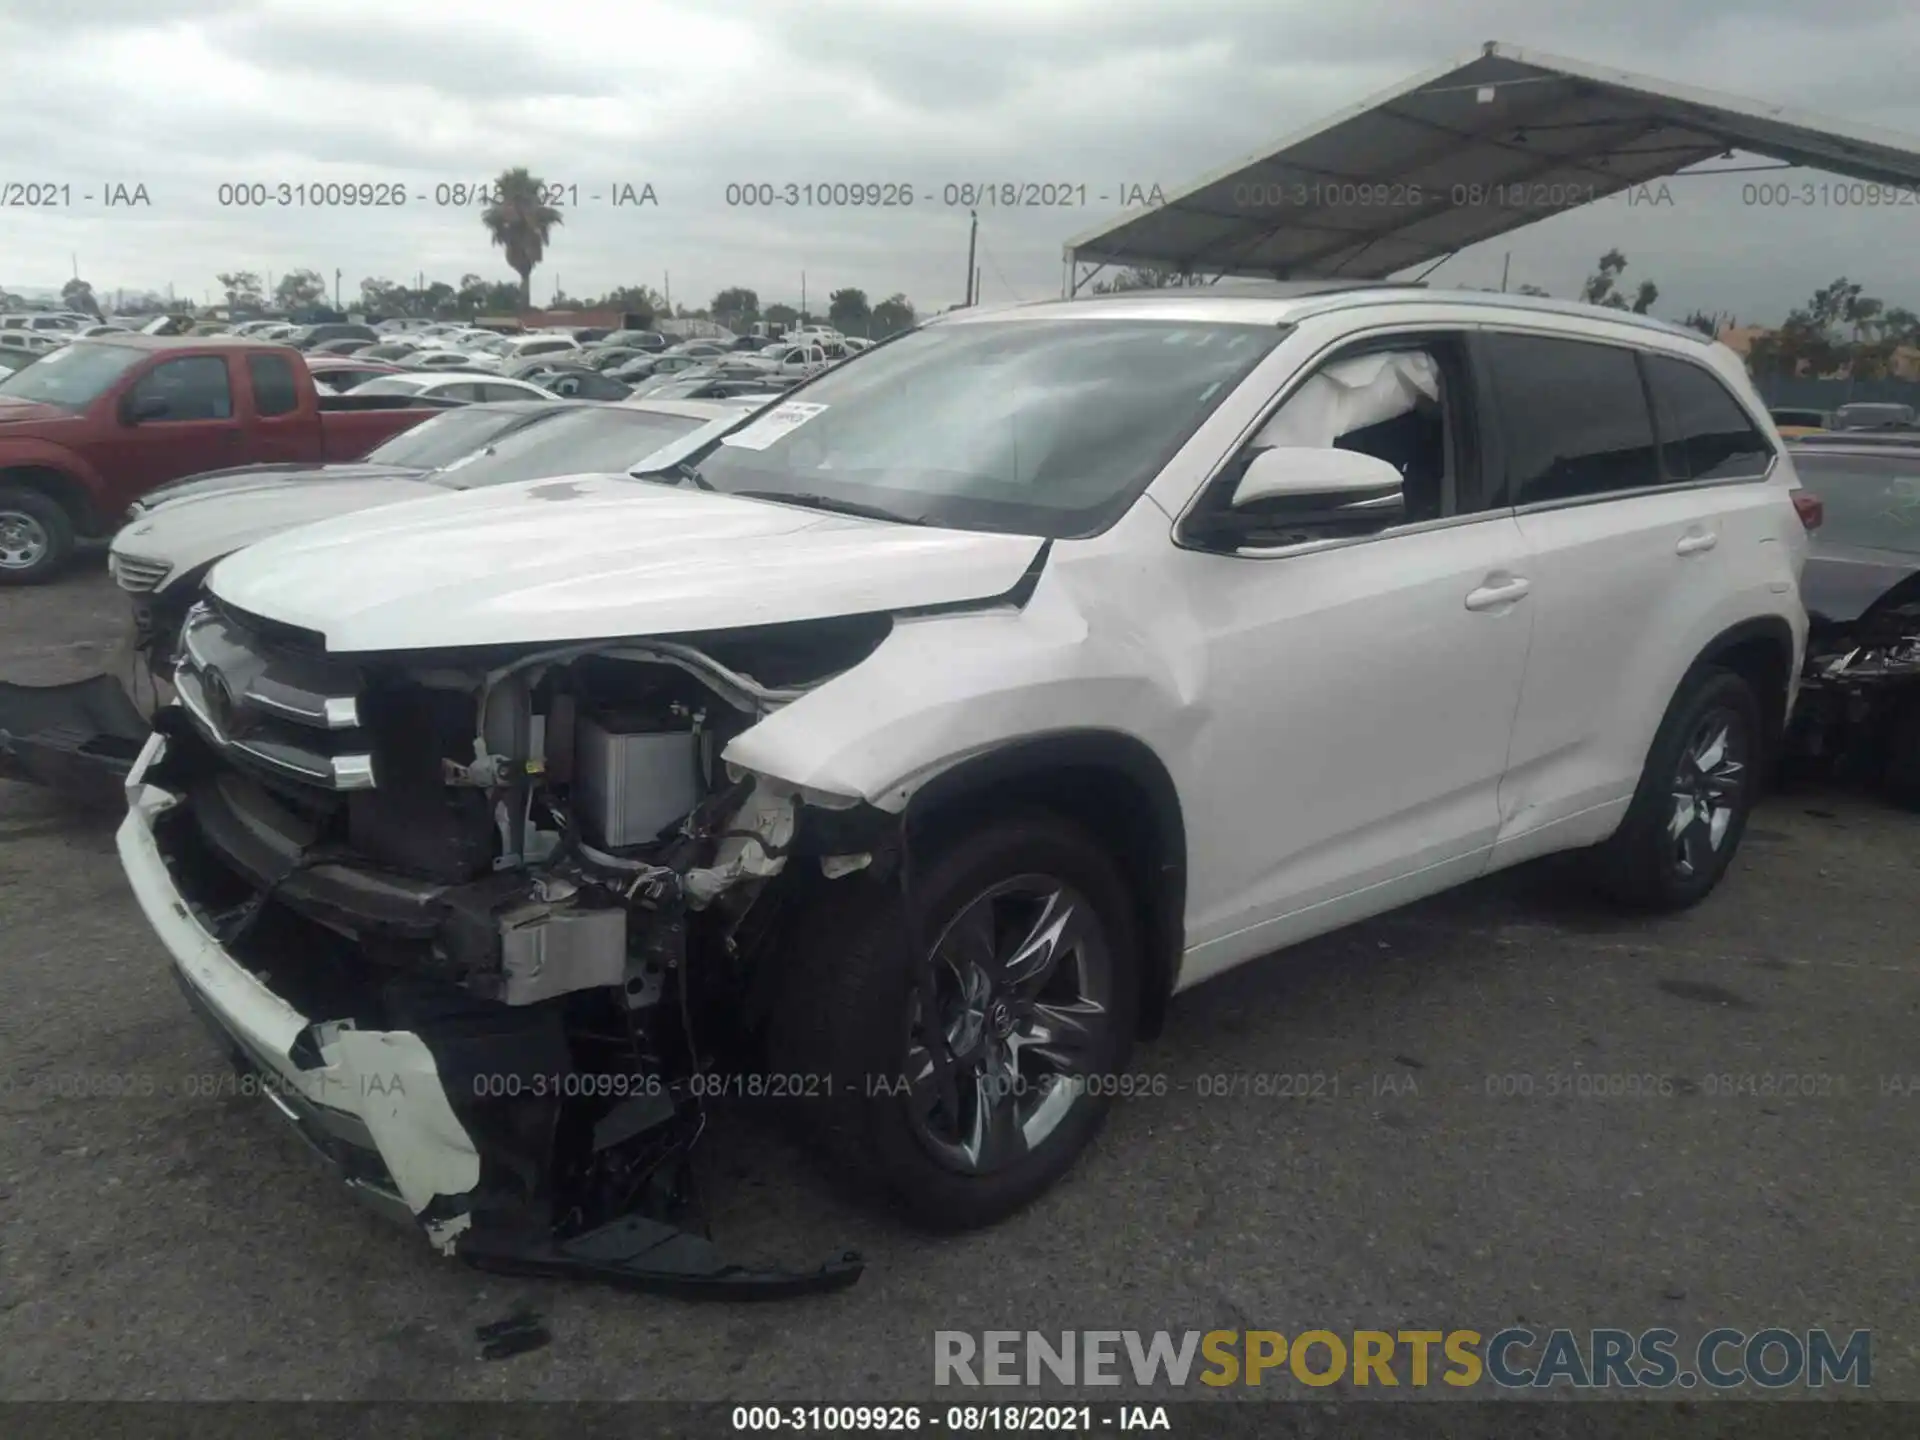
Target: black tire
(850,995)
(39,523)
(1641,866)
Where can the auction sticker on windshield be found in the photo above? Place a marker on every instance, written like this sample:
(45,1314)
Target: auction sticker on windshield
(778,421)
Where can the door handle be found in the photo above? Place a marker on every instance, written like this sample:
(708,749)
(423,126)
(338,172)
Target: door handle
(1492,597)
(1695,543)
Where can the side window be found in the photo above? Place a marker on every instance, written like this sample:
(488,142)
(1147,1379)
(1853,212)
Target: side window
(1704,433)
(1400,406)
(459,392)
(513,392)
(1574,415)
(274,392)
(194,387)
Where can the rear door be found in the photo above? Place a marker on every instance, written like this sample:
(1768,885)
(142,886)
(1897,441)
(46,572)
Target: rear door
(1641,516)
(281,431)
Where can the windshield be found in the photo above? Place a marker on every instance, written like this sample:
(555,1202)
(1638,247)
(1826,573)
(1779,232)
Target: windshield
(74,377)
(1871,501)
(578,442)
(445,438)
(1038,427)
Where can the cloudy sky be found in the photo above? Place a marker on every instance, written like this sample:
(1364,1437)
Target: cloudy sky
(182,96)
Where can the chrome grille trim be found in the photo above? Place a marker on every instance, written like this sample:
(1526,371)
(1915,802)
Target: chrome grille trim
(137,575)
(262,706)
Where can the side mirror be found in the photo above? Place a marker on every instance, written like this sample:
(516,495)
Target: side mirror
(144,407)
(1342,481)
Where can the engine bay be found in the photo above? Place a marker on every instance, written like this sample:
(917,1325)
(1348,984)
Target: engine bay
(543,867)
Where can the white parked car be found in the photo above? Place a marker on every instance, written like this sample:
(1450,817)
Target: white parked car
(172,535)
(919,740)
(528,347)
(44,323)
(33,342)
(456,386)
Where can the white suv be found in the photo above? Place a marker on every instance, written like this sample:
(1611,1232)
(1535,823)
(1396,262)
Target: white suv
(904,751)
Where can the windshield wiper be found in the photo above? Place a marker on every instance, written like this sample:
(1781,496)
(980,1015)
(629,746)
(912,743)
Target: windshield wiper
(830,503)
(681,472)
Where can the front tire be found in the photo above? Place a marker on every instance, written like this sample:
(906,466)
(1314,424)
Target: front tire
(36,536)
(1036,977)
(1695,794)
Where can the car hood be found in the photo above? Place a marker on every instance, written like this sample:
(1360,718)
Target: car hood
(1840,582)
(591,557)
(13,412)
(194,531)
(246,479)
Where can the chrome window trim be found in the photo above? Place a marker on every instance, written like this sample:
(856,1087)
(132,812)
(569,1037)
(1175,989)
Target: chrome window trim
(1644,492)
(1342,542)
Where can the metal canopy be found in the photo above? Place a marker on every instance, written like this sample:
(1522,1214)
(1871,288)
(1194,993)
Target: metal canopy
(1462,154)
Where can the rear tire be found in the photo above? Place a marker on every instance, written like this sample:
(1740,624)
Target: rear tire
(1695,793)
(852,1008)
(36,536)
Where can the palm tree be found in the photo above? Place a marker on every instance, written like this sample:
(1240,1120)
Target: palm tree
(521,223)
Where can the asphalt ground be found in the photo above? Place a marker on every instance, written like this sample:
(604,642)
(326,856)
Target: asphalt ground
(1520,1107)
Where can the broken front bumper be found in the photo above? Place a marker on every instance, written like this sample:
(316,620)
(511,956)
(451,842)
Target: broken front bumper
(401,1114)
(371,1102)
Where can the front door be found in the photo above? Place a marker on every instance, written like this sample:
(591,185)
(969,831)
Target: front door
(1361,690)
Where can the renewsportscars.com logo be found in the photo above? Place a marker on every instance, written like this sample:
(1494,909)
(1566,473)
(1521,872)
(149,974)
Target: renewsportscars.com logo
(1515,1358)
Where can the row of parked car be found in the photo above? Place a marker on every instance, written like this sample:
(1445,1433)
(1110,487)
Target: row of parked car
(910,740)
(572,362)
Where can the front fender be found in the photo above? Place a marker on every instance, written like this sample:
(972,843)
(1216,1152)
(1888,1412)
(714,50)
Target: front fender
(944,689)
(27,453)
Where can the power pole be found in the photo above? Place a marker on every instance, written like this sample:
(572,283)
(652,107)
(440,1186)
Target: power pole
(1508,260)
(973,236)
(803,297)
(336,288)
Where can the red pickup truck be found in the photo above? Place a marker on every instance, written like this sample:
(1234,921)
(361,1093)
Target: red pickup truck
(88,429)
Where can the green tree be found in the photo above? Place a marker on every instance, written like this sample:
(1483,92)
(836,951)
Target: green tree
(78,295)
(521,223)
(893,314)
(383,297)
(784,315)
(1600,288)
(243,290)
(1534,290)
(300,290)
(736,307)
(640,301)
(848,311)
(1707,324)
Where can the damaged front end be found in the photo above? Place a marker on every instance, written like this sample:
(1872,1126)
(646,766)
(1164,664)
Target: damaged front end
(485,929)
(1858,713)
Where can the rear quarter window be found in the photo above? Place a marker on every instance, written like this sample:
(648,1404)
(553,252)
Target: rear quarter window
(1705,434)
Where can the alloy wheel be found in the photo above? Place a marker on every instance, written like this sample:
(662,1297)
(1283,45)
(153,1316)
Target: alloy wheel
(1023,980)
(1708,786)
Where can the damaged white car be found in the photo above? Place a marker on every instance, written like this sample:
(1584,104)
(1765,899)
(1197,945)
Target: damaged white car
(901,753)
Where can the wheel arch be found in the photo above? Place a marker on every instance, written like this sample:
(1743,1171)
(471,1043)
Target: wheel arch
(63,487)
(1114,784)
(1761,651)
